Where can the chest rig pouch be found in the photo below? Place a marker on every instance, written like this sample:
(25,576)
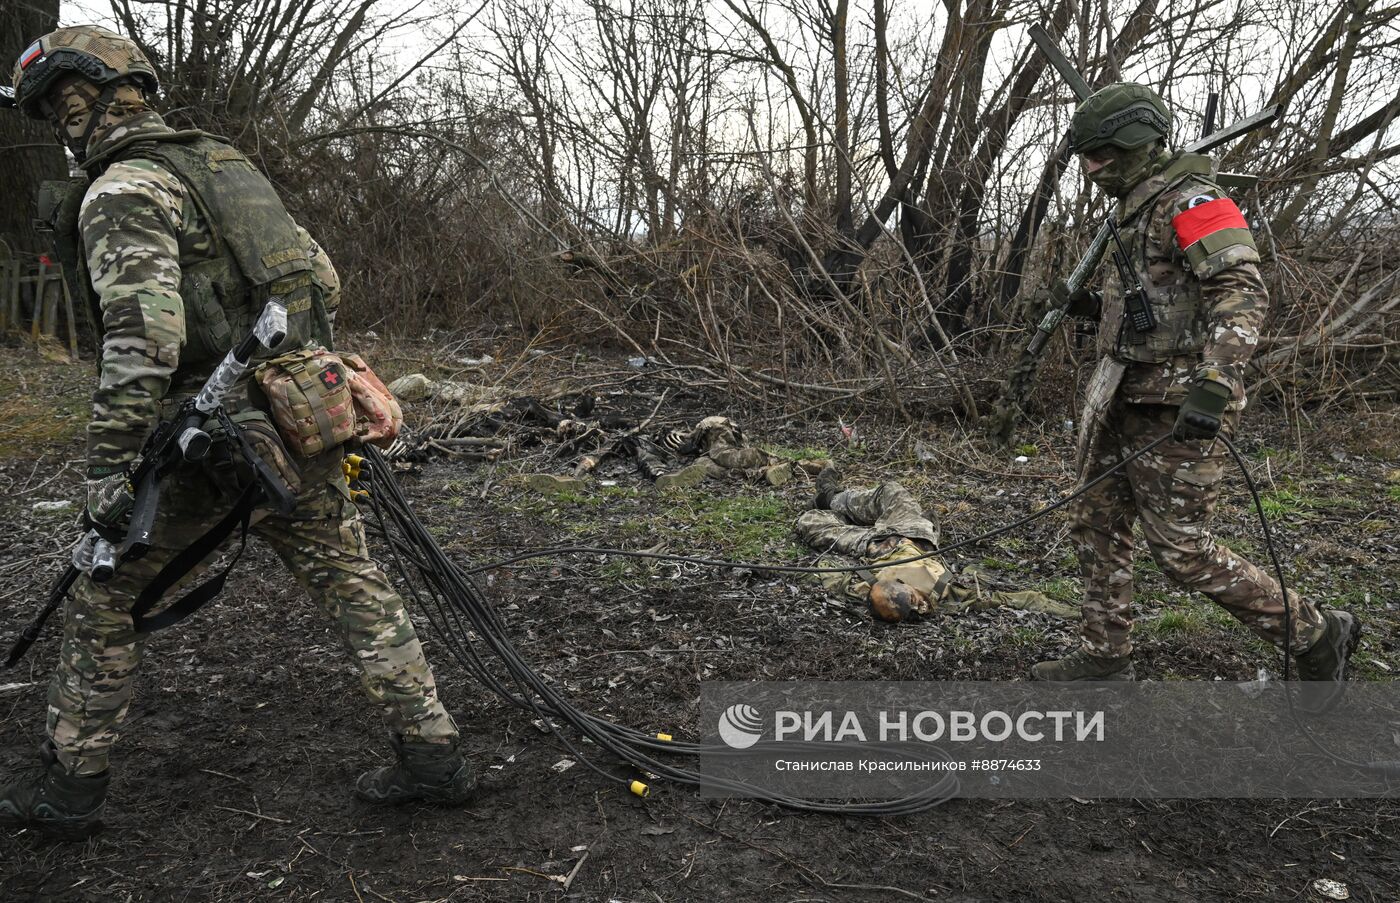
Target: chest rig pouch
(1172,289)
(254,250)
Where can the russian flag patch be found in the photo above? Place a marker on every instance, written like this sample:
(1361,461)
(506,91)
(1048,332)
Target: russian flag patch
(1205,219)
(31,53)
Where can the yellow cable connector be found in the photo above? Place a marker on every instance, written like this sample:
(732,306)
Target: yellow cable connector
(666,737)
(641,789)
(350,466)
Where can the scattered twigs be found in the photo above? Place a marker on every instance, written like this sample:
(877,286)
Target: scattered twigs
(259,815)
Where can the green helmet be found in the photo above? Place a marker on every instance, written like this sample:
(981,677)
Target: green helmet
(1125,115)
(102,57)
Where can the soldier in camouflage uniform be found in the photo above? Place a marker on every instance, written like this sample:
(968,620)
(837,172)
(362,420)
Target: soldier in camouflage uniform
(182,241)
(1192,250)
(883,525)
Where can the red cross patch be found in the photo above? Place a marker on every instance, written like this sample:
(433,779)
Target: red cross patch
(330,377)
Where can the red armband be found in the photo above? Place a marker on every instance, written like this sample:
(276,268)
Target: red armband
(1196,223)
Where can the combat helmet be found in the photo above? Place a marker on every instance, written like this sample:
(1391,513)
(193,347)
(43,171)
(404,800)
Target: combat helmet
(102,57)
(1124,115)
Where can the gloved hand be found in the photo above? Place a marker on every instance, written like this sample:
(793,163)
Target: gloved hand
(83,551)
(95,556)
(109,499)
(1199,416)
(1083,303)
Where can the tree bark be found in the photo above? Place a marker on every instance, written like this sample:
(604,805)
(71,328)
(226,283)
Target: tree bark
(29,153)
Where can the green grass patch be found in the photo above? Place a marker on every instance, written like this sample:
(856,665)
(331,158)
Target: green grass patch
(803,453)
(1353,598)
(1026,637)
(1062,589)
(993,563)
(1293,501)
(1145,564)
(1283,502)
(1190,619)
(746,526)
(1177,621)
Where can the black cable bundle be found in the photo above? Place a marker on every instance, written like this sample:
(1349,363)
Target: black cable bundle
(465,622)
(456,609)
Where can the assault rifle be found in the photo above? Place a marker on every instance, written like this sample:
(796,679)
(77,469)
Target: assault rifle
(179,440)
(1076,281)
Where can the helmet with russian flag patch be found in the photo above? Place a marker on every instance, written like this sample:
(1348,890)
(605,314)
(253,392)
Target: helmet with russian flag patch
(89,51)
(1124,115)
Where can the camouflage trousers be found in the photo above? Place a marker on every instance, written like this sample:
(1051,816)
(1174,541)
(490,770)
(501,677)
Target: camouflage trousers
(866,523)
(322,543)
(1173,489)
(861,517)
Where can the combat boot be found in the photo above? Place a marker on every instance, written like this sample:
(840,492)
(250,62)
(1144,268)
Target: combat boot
(828,487)
(1082,665)
(64,806)
(1323,668)
(426,772)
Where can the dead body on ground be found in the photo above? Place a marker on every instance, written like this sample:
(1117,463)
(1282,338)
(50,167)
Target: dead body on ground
(884,527)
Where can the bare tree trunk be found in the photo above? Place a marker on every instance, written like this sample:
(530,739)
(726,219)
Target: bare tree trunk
(1284,221)
(842,125)
(29,153)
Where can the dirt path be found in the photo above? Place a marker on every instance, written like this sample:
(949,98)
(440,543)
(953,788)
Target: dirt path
(232,781)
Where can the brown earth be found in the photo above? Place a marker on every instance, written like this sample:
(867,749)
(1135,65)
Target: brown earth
(232,780)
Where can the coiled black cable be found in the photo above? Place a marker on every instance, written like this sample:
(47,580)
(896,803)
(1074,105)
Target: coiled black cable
(463,618)
(457,609)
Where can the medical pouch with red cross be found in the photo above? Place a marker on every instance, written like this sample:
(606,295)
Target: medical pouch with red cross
(310,398)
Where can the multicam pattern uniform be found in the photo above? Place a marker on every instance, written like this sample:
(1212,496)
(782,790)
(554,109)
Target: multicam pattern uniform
(136,223)
(885,524)
(1215,304)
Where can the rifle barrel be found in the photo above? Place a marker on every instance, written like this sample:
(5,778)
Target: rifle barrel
(1090,261)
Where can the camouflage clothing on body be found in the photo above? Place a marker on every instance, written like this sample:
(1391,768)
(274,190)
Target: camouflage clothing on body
(1173,490)
(322,543)
(145,234)
(722,447)
(1210,303)
(885,524)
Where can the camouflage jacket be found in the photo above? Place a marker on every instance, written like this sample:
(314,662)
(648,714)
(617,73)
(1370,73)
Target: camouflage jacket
(1192,250)
(138,225)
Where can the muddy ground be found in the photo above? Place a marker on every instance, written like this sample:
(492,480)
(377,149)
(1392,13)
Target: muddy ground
(232,781)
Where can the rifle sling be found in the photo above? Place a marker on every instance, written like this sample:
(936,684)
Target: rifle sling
(175,569)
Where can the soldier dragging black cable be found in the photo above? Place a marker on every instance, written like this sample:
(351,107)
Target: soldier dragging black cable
(182,243)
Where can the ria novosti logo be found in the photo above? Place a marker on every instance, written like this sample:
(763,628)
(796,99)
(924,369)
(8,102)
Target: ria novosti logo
(740,726)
